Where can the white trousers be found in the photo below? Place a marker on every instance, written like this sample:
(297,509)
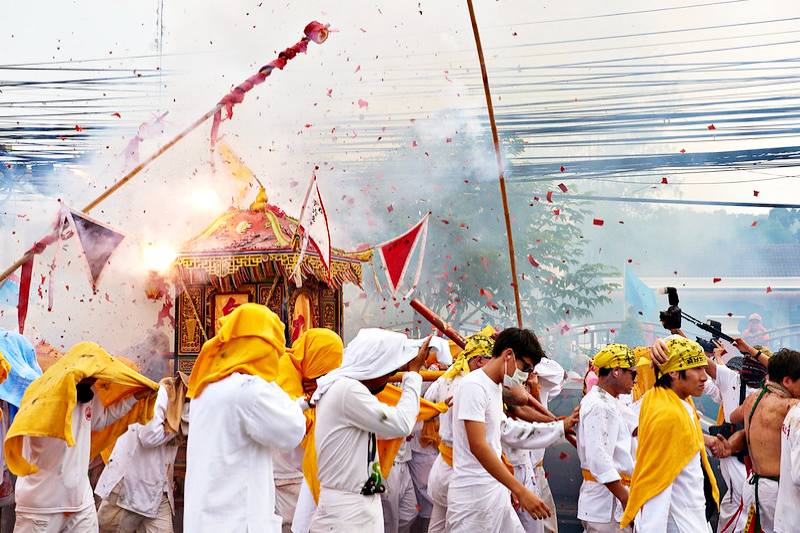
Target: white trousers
(420,466)
(114,519)
(287,492)
(438,482)
(767,498)
(730,505)
(550,523)
(84,521)
(524,474)
(399,502)
(597,527)
(347,512)
(304,511)
(486,508)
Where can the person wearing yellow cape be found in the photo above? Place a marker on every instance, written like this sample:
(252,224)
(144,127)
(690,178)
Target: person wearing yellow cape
(315,353)
(75,409)
(238,417)
(672,480)
(604,442)
(349,421)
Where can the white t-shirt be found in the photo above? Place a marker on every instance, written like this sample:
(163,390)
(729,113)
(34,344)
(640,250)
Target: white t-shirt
(787,509)
(346,415)
(478,399)
(61,485)
(681,506)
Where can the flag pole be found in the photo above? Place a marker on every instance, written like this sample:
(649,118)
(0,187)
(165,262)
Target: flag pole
(313,32)
(499,157)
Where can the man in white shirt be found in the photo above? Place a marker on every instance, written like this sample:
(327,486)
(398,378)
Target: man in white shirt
(672,479)
(478,497)
(349,421)
(58,498)
(550,377)
(604,442)
(137,483)
(787,510)
(239,416)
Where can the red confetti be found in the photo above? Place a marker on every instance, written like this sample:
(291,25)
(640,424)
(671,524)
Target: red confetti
(612,330)
(621,221)
(414,144)
(308,125)
(730,314)
(683,151)
(448,140)
(330,92)
(712,127)
(664,181)
(598,222)
(78,128)
(362,103)
(630,260)
(390,208)
(562,187)
(563,455)
(533,261)
(116,114)
(357,68)
(755,193)
(445,221)
(716,280)
(754,224)
(556,212)
(769,290)
(363,30)
(550,196)
(562,169)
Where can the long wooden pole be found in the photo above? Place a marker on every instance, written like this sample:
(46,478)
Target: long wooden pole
(499,157)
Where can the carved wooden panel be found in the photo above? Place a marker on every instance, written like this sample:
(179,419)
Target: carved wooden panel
(190,337)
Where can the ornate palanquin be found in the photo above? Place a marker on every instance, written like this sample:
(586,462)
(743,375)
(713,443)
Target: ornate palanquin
(248,255)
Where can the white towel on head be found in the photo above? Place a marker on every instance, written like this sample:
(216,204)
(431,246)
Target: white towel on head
(371,354)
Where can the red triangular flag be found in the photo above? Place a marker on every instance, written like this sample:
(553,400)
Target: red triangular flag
(395,254)
(98,242)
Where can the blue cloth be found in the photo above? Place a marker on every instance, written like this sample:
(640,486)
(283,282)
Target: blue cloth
(639,298)
(9,293)
(21,357)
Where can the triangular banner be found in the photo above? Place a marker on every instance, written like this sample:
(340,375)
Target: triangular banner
(98,242)
(396,253)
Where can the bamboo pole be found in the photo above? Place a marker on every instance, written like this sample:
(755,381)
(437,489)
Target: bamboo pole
(499,157)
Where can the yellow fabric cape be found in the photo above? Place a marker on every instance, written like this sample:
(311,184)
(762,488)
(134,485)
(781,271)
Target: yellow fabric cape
(645,373)
(5,368)
(388,448)
(315,353)
(250,341)
(668,440)
(47,405)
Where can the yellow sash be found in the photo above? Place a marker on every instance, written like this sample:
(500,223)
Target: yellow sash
(587,476)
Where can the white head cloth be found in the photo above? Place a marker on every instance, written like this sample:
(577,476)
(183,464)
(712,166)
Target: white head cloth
(439,344)
(371,354)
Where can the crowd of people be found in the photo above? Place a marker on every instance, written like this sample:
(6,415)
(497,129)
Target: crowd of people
(317,438)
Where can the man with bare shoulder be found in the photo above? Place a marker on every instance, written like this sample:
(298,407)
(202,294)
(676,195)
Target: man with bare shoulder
(763,414)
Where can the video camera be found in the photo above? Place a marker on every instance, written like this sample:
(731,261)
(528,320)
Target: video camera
(672,316)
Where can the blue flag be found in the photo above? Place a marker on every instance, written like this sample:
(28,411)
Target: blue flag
(640,300)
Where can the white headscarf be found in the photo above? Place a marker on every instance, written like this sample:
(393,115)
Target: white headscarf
(371,354)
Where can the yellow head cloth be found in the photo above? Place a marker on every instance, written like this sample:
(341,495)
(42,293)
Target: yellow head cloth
(47,405)
(315,353)
(668,439)
(614,356)
(683,355)
(478,345)
(250,341)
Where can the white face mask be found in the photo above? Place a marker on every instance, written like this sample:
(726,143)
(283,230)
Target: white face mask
(519,378)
